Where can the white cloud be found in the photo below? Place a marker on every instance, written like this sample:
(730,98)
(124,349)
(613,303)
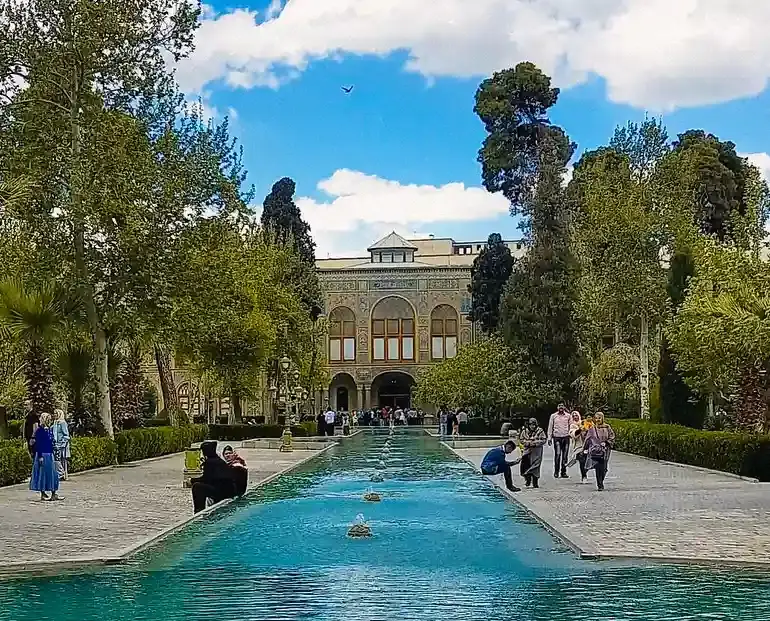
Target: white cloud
(362,208)
(657,54)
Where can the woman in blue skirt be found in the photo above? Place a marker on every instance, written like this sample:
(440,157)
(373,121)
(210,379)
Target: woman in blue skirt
(45,478)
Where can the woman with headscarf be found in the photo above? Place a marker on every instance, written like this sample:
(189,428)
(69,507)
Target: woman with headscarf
(44,476)
(577,433)
(61,444)
(597,448)
(532,438)
(240,471)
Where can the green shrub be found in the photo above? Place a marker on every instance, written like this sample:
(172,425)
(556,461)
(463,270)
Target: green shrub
(92,452)
(310,427)
(236,433)
(15,428)
(15,463)
(136,444)
(743,454)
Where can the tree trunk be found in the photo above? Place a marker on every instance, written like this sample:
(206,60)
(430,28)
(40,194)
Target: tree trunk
(644,369)
(711,406)
(103,381)
(750,410)
(236,410)
(98,336)
(39,379)
(3,423)
(167,387)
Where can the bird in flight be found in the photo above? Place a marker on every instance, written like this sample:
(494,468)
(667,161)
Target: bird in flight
(347,89)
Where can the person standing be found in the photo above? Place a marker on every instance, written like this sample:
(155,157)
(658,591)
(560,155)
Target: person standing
(558,435)
(532,439)
(597,448)
(329,418)
(495,462)
(44,476)
(346,424)
(462,421)
(321,424)
(31,423)
(61,444)
(442,416)
(577,432)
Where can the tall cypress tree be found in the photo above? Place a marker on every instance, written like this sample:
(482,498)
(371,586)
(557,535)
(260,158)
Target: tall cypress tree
(524,156)
(490,271)
(282,216)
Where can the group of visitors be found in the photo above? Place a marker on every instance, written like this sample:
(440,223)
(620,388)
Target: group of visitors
(48,443)
(450,421)
(587,443)
(222,477)
(375,417)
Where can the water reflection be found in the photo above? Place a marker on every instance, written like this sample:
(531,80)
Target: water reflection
(445,546)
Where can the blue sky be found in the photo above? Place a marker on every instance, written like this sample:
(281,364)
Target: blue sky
(400,150)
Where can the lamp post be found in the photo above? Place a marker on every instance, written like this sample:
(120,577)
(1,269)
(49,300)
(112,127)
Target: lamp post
(287,394)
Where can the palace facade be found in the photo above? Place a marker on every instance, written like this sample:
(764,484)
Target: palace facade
(393,312)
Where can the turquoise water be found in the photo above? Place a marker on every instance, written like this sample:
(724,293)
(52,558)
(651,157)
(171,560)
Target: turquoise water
(446,546)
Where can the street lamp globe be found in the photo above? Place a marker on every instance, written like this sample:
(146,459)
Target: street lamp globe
(295,375)
(285,363)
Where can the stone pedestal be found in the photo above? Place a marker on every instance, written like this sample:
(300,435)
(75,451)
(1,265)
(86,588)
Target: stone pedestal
(192,466)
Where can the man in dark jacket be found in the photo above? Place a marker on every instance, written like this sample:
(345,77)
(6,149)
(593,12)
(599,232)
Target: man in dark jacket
(495,462)
(217,481)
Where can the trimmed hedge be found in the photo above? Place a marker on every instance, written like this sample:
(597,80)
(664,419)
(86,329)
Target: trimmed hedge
(15,463)
(136,444)
(235,433)
(95,452)
(743,454)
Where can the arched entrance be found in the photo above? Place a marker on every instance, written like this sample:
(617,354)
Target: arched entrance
(392,389)
(342,393)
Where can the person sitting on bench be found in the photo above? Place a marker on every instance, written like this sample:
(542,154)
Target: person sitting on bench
(495,462)
(216,482)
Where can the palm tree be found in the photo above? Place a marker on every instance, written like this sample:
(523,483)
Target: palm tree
(748,311)
(34,317)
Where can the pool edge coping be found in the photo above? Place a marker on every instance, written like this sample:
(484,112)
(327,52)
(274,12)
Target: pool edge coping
(31,569)
(589,552)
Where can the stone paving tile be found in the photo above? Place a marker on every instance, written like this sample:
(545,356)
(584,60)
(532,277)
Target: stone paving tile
(652,510)
(106,511)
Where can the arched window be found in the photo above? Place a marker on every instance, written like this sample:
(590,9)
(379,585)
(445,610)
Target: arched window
(184,397)
(443,332)
(393,330)
(342,335)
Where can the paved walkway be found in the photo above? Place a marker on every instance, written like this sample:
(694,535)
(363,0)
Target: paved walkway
(107,512)
(651,510)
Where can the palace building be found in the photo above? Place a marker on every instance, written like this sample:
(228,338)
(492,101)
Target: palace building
(390,313)
(393,312)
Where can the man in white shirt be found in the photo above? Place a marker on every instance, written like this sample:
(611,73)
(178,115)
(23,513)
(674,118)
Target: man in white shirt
(329,418)
(558,435)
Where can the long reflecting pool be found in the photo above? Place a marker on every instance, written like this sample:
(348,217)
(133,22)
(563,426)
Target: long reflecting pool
(446,545)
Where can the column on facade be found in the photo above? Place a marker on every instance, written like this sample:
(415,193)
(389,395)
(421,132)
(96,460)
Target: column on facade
(362,398)
(325,403)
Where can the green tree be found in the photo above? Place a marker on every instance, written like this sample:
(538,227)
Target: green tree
(486,375)
(620,235)
(525,158)
(81,68)
(489,274)
(537,314)
(720,337)
(35,318)
(513,105)
(281,216)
